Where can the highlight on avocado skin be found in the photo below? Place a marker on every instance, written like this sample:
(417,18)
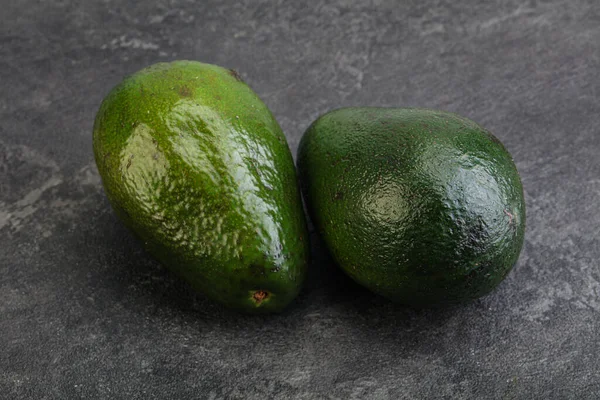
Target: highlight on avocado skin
(194,163)
(423,207)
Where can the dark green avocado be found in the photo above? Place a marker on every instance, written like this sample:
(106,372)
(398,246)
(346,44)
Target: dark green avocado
(194,163)
(423,207)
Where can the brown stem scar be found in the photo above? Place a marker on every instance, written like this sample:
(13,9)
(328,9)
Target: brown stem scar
(259,296)
(236,75)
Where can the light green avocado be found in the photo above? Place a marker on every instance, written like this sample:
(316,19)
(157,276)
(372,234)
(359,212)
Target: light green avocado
(423,207)
(194,163)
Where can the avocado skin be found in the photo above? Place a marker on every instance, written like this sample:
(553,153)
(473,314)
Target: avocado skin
(423,207)
(194,163)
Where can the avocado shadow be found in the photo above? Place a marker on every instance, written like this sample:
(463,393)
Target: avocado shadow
(137,281)
(327,285)
(339,316)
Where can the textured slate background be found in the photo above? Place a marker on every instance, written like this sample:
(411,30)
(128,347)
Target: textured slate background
(85,313)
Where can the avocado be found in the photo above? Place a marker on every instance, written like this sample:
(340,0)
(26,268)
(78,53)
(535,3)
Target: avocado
(423,207)
(194,163)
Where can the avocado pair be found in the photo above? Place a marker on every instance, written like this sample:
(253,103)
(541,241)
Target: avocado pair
(423,207)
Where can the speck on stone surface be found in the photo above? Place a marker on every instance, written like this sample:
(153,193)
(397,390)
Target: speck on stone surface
(85,313)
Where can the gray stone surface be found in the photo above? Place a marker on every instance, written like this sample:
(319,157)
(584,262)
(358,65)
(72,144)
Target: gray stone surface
(85,313)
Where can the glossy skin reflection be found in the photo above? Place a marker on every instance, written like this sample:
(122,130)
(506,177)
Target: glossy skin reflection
(423,207)
(195,164)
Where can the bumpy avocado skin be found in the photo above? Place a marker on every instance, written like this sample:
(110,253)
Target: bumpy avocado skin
(194,163)
(423,207)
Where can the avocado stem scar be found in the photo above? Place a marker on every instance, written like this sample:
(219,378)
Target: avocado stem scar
(236,75)
(260,295)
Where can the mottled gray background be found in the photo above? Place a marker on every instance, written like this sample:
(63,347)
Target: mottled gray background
(85,313)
